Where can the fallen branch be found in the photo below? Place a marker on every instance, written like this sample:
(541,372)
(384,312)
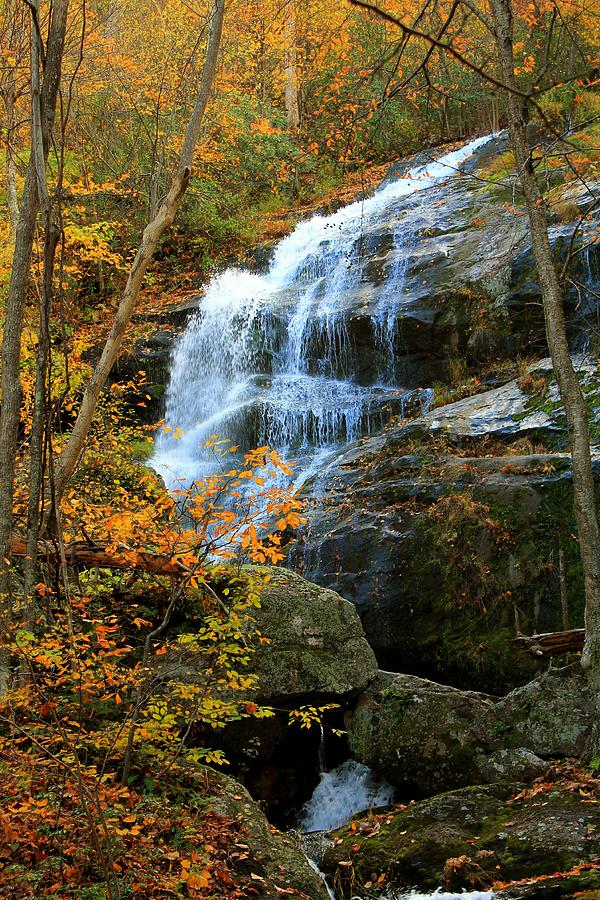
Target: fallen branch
(553,643)
(87,556)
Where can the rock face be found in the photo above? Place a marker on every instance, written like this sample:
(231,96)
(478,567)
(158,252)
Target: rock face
(273,864)
(426,737)
(487,475)
(509,410)
(317,650)
(470,839)
(317,655)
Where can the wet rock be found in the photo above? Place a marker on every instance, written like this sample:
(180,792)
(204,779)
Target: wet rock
(425,737)
(470,839)
(374,533)
(510,411)
(150,356)
(274,863)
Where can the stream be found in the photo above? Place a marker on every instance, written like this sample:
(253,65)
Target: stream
(274,359)
(341,794)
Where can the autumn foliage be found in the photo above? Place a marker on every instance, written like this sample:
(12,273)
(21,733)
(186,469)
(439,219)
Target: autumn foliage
(100,727)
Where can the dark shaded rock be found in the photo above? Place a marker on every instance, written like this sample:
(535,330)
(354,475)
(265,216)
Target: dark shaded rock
(274,863)
(146,369)
(378,531)
(426,737)
(469,839)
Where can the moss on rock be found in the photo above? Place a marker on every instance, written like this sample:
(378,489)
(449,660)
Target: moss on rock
(468,839)
(269,863)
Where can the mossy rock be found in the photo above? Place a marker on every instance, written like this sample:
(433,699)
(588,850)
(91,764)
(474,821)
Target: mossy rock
(426,737)
(274,863)
(468,839)
(313,648)
(317,648)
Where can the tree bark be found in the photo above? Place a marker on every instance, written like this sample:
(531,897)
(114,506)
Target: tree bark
(51,238)
(18,286)
(552,644)
(14,36)
(12,199)
(568,384)
(69,458)
(292,105)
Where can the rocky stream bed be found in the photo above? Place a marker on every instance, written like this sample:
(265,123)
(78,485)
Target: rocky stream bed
(395,348)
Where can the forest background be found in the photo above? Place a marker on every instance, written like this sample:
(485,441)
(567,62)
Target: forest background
(309,103)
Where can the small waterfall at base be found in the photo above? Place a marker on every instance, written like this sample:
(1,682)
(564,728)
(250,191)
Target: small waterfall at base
(273,359)
(440,895)
(341,794)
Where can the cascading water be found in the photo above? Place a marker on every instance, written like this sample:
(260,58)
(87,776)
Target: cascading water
(441,895)
(341,794)
(270,359)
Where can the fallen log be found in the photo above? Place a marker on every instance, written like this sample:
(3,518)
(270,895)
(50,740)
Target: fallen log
(87,556)
(553,643)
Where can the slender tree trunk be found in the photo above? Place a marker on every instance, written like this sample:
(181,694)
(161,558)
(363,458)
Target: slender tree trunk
(564,597)
(292,105)
(69,458)
(39,417)
(17,290)
(568,384)
(12,199)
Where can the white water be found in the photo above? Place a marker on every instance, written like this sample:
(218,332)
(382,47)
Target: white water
(269,359)
(341,794)
(441,895)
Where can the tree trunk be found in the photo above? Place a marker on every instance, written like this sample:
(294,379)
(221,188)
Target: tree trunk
(69,458)
(568,384)
(18,286)
(12,199)
(38,429)
(292,105)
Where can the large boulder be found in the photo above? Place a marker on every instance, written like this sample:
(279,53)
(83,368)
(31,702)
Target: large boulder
(316,655)
(421,736)
(266,863)
(471,839)
(317,650)
(426,737)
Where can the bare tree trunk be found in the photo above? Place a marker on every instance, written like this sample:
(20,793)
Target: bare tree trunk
(564,597)
(14,36)
(568,384)
(69,458)
(292,105)
(12,199)
(18,286)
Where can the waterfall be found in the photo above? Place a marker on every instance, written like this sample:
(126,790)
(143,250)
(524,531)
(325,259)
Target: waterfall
(271,358)
(341,794)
